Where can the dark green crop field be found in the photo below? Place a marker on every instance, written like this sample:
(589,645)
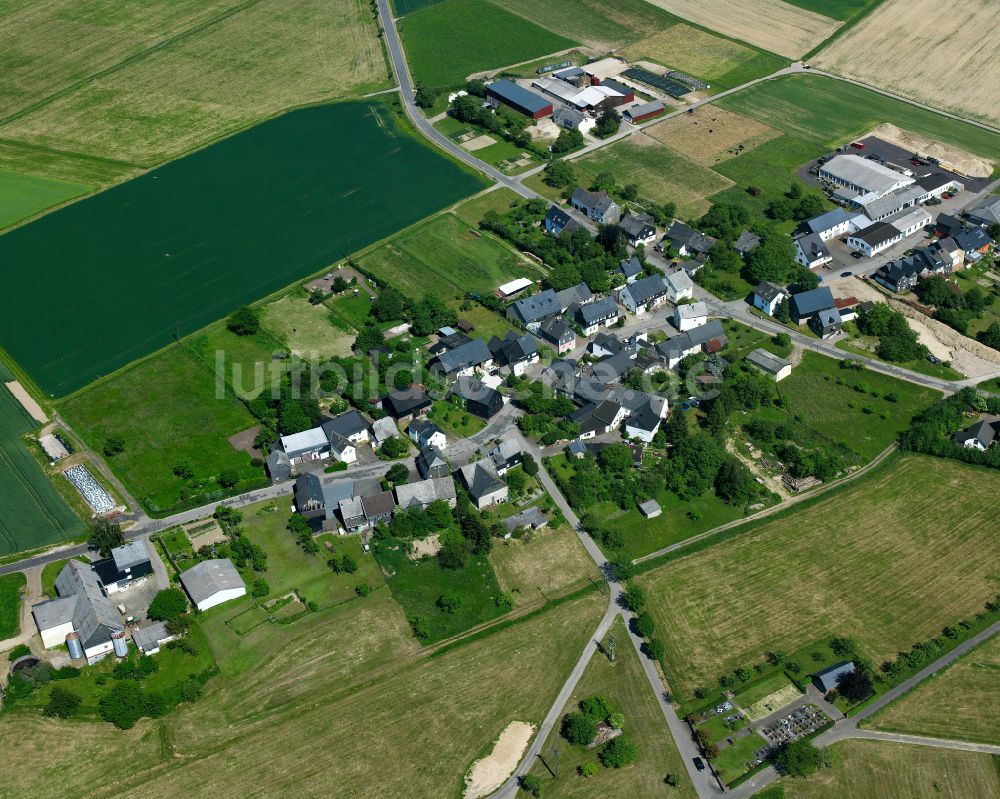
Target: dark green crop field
(32,513)
(112,278)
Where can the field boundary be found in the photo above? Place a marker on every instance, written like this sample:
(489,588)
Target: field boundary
(842,30)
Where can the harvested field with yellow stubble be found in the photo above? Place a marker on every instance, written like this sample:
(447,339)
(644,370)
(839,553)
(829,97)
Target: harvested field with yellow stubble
(957,42)
(959,703)
(769,24)
(307,710)
(267,57)
(691,50)
(889,561)
(711,134)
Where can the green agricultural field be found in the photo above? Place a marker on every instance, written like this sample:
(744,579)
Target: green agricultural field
(832,401)
(22,196)
(445,256)
(624,685)
(958,703)
(472,210)
(289,691)
(449,40)
(835,9)
(156,256)
(32,512)
(543,565)
(883,770)
(417,585)
(11,586)
(46,162)
(177,75)
(888,560)
(829,112)
(167,411)
(769,167)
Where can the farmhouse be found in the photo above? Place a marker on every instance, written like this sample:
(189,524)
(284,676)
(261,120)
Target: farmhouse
(557,221)
(862,175)
(770,364)
(342,449)
(484,487)
(558,333)
(643,111)
(811,251)
(643,424)
(644,295)
(424,433)
(573,119)
(689,241)
(82,616)
(638,229)
(309,445)
(402,405)
(679,287)
(506,92)
(127,563)
(477,397)
(826,680)
(213,582)
(690,316)
(464,360)
(592,316)
(875,238)
(149,639)
(767,297)
(424,492)
(597,205)
(532,311)
(947,249)
(982,435)
(351,425)
(806,304)
(335,436)
(431,463)
(378,508)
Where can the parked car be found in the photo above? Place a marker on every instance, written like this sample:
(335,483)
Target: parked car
(857,255)
(846,274)
(699,764)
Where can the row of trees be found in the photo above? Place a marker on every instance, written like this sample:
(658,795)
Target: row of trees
(897,340)
(933,430)
(957,309)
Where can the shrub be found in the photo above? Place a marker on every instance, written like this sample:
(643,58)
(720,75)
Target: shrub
(588,769)
(531,784)
(113,445)
(635,597)
(191,691)
(19,651)
(260,588)
(578,729)
(644,624)
(449,601)
(617,720)
(62,703)
(122,705)
(244,321)
(168,604)
(618,752)
(362,589)
(654,649)
(595,708)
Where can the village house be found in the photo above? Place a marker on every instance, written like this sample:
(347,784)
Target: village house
(629,269)
(826,323)
(690,315)
(598,418)
(514,353)
(767,297)
(638,229)
(593,316)
(464,360)
(432,463)
(811,251)
(505,456)
(875,238)
(597,205)
(806,304)
(644,295)
(679,287)
(485,488)
(423,492)
(558,334)
(746,243)
(688,241)
(424,433)
(982,435)
(531,311)
(580,294)
(477,398)
(404,404)
(557,222)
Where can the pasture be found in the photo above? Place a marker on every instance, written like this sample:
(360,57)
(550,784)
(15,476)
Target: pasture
(306,328)
(829,112)
(184,76)
(769,166)
(11,586)
(883,770)
(446,256)
(711,134)
(960,702)
(471,211)
(448,41)
(32,512)
(772,25)
(157,257)
(625,686)
(662,174)
(953,72)
(287,692)
(167,411)
(22,196)
(548,563)
(888,560)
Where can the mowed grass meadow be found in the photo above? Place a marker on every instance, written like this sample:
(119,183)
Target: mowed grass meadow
(23,195)
(181,246)
(449,40)
(32,512)
(349,682)
(888,560)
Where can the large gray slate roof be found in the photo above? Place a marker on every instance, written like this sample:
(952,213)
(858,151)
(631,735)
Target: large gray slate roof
(207,578)
(94,617)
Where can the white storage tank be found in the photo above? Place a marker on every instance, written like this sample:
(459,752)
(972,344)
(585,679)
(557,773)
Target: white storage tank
(120,643)
(74,646)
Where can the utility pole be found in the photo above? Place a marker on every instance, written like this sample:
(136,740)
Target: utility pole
(555,760)
(611,648)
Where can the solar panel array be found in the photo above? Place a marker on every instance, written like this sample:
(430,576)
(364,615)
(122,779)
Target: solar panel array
(672,87)
(694,83)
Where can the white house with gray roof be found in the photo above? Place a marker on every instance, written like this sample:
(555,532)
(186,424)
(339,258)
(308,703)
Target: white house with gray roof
(644,295)
(484,487)
(690,316)
(679,286)
(213,582)
(424,492)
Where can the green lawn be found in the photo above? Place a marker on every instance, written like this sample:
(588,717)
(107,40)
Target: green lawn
(733,759)
(166,261)
(447,41)
(353,309)
(167,410)
(417,585)
(625,686)
(472,210)
(494,154)
(769,167)
(446,257)
(247,359)
(455,421)
(832,401)
(830,112)
(10,604)
(23,195)
(919,365)
(743,339)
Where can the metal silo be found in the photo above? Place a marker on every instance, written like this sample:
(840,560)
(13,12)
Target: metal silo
(120,643)
(74,646)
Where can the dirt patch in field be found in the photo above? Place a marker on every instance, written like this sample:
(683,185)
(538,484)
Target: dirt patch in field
(771,24)
(957,42)
(712,134)
(478,143)
(964,162)
(27,401)
(488,773)
(428,547)
(243,441)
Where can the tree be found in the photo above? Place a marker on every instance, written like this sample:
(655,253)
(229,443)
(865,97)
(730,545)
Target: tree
(395,447)
(677,428)
(122,705)
(425,97)
(62,703)
(567,140)
(578,729)
(800,758)
(167,605)
(618,752)
(260,588)
(104,536)
(369,337)
(228,478)
(398,473)
(990,336)
(154,705)
(183,470)
(644,624)
(114,444)
(608,123)
(856,685)
(630,192)
(476,88)
(622,568)
(635,597)
(348,565)
(808,206)
(529,464)
(672,780)
(780,209)
(783,312)
(616,458)
(772,260)
(449,601)
(244,321)
(517,480)
(531,783)
(595,708)
(559,174)
(389,305)
(734,482)
(654,649)
(453,552)
(616,720)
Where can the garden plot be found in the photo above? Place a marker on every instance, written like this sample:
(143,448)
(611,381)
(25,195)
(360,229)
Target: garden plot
(957,41)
